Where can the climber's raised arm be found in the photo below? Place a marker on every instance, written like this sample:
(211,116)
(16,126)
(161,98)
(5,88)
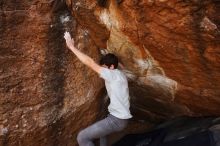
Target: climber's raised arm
(81,56)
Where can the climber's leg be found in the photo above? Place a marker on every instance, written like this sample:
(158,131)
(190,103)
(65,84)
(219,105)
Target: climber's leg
(99,130)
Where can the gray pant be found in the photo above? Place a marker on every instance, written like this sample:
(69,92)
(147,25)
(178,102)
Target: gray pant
(100,130)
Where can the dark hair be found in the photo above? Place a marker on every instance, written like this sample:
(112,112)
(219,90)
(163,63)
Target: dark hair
(102,3)
(109,59)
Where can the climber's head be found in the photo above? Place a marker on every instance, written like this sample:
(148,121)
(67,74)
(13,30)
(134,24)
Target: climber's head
(109,61)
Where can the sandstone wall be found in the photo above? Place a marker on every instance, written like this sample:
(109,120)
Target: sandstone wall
(169,49)
(46,94)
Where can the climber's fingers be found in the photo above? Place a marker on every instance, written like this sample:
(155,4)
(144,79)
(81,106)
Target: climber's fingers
(69,40)
(67,36)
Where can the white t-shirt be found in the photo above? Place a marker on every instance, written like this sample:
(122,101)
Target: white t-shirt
(117,88)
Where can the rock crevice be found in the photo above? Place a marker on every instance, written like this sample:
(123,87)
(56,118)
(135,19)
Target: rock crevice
(169,51)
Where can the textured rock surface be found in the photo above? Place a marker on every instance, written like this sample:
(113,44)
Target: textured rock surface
(170,51)
(43,100)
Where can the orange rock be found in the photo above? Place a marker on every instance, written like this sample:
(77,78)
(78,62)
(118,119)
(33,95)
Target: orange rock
(169,51)
(46,94)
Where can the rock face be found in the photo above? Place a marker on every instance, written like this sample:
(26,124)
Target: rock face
(169,50)
(45,92)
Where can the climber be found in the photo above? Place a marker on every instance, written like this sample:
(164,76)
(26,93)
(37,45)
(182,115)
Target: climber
(117,89)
